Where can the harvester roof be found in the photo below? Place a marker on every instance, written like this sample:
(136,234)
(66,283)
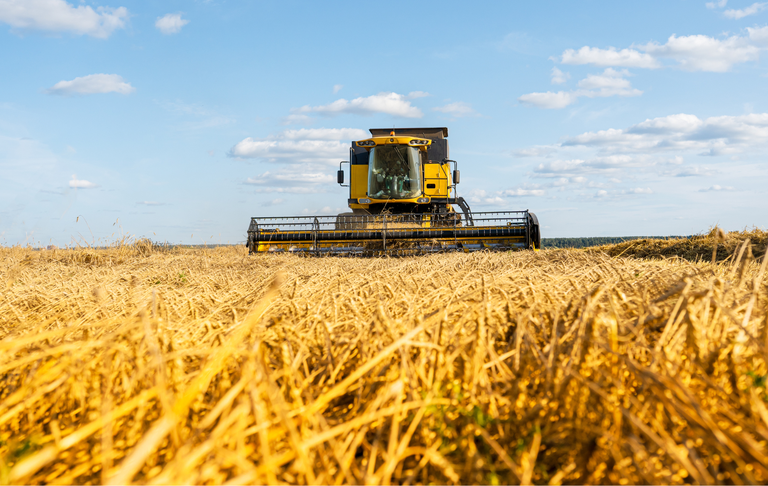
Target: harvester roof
(433,133)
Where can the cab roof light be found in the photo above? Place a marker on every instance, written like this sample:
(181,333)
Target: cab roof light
(366,143)
(418,141)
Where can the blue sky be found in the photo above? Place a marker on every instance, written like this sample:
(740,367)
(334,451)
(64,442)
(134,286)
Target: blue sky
(178,120)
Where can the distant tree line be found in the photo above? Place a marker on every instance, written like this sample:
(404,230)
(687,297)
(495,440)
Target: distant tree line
(597,241)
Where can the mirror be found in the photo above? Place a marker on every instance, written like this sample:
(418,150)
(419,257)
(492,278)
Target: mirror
(456,176)
(340,176)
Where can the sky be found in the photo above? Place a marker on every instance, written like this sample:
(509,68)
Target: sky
(179,120)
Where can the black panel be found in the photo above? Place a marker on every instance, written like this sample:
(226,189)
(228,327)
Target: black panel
(432,133)
(359,155)
(438,151)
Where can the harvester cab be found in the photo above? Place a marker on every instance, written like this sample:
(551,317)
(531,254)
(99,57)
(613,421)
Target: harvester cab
(403,200)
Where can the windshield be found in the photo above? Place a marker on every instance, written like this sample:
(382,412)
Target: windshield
(394,172)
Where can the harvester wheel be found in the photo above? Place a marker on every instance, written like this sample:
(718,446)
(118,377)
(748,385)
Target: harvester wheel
(535,231)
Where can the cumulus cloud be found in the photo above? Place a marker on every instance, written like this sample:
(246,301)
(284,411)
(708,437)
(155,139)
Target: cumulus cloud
(704,53)
(717,4)
(609,83)
(609,57)
(80,183)
(559,77)
(387,102)
(758,35)
(549,100)
(710,136)
(692,53)
(170,23)
(457,109)
(60,16)
(313,145)
(327,151)
(92,84)
(744,12)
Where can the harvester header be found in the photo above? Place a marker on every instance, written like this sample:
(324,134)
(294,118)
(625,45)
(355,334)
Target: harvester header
(403,200)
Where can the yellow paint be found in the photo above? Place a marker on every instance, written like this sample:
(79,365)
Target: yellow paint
(437,174)
(358,181)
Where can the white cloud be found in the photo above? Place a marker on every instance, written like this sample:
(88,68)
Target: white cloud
(610,79)
(417,94)
(549,100)
(681,132)
(692,53)
(704,53)
(744,12)
(295,179)
(457,109)
(609,57)
(313,145)
(60,16)
(92,84)
(481,197)
(640,190)
(609,83)
(717,4)
(717,188)
(602,193)
(388,103)
(170,23)
(80,183)
(758,36)
(559,77)
(327,151)
(337,88)
(520,192)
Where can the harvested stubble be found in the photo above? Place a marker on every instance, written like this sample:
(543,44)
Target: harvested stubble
(716,245)
(210,366)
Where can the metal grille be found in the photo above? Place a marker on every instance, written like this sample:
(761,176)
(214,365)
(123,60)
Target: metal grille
(392,234)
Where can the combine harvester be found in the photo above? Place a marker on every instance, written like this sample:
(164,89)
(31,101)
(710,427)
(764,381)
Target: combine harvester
(402,194)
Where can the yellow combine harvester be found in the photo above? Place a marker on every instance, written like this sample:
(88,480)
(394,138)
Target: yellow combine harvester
(402,194)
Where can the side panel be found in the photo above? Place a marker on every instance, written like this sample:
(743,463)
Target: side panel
(438,150)
(436,180)
(358,185)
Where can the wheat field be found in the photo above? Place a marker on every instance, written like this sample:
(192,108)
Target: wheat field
(141,364)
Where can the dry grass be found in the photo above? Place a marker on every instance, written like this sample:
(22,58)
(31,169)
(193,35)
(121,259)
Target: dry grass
(715,244)
(209,366)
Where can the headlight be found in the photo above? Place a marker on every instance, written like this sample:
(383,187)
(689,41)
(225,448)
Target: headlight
(417,141)
(366,143)
(364,200)
(422,200)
